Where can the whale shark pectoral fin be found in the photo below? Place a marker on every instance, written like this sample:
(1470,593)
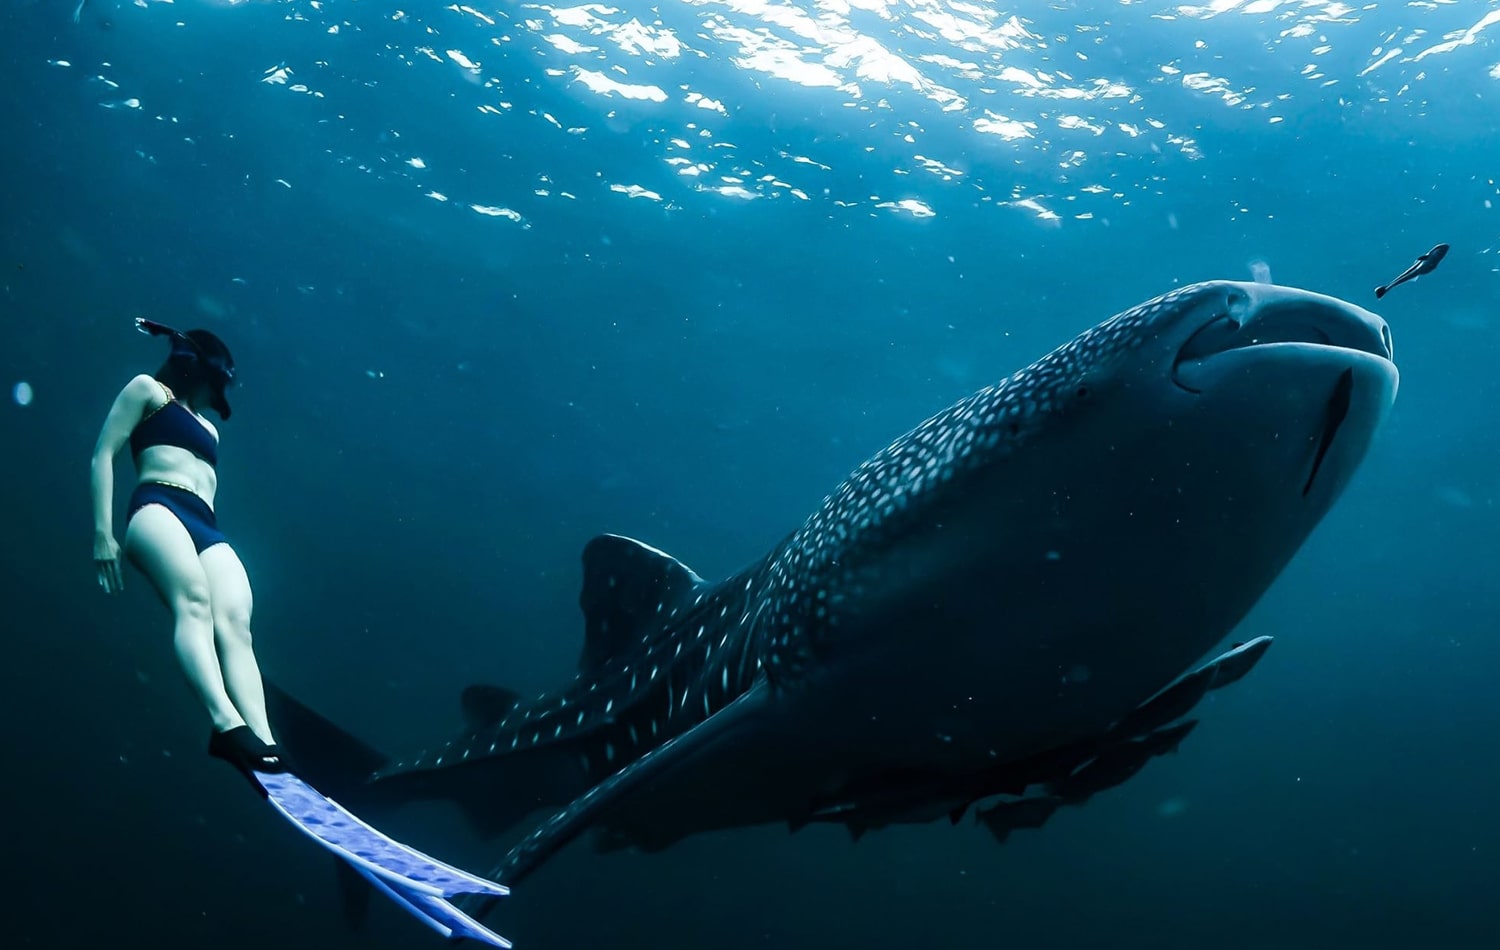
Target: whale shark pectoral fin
(1169,705)
(1177,700)
(585,810)
(1230,666)
(630,590)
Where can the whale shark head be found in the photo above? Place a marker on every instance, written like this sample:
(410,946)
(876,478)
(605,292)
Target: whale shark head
(1226,363)
(1104,515)
(1248,389)
(1218,397)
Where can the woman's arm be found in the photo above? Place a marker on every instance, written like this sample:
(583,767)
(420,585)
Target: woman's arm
(127,410)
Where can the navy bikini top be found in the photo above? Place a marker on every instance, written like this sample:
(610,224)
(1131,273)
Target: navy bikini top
(174,424)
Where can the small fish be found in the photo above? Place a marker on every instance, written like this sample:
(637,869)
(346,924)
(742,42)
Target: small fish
(1425,264)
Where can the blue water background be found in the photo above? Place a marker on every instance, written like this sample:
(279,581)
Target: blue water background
(453,375)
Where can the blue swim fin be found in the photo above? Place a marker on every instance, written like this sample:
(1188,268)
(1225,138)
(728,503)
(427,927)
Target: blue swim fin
(416,882)
(436,913)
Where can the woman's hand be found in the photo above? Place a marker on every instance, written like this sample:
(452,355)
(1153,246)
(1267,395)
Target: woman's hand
(107,561)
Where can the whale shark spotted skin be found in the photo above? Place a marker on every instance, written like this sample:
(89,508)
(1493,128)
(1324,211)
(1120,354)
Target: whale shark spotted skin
(1002,605)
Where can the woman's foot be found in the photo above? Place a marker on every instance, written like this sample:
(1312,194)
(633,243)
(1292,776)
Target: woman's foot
(244,750)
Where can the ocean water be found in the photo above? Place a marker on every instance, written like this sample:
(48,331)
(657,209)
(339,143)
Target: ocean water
(501,277)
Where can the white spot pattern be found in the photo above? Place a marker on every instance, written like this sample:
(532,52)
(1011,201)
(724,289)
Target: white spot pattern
(823,563)
(805,587)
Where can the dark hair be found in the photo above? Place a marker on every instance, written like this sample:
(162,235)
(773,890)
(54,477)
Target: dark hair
(185,376)
(202,369)
(199,361)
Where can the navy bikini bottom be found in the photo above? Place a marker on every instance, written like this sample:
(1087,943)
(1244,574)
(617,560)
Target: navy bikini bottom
(191,510)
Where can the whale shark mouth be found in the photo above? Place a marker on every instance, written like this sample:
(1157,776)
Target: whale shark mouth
(1242,326)
(1295,325)
(1277,324)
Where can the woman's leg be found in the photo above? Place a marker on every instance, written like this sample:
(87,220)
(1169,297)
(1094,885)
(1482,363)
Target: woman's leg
(229,592)
(159,546)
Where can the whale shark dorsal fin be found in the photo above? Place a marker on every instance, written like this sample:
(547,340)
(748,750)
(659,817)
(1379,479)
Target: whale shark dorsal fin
(629,590)
(485,705)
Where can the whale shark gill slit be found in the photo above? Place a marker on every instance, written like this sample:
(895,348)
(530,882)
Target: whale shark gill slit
(1338,411)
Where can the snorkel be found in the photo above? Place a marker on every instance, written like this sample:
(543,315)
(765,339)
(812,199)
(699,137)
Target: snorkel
(203,349)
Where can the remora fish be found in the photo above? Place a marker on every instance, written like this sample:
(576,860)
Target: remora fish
(1007,597)
(1425,264)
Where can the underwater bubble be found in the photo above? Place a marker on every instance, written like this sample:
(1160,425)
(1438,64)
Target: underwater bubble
(22,393)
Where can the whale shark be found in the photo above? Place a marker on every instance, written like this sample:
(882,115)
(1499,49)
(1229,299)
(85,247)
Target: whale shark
(1004,612)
